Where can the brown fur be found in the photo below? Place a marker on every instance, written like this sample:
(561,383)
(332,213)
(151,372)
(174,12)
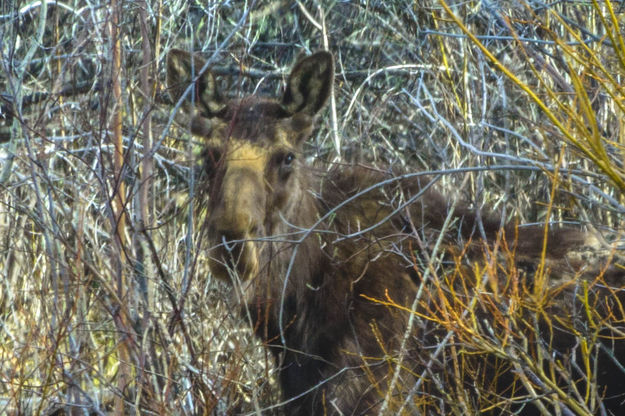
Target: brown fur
(309,251)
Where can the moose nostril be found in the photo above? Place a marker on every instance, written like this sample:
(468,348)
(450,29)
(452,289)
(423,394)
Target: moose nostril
(255,231)
(229,240)
(226,242)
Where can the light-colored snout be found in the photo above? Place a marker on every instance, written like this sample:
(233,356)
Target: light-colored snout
(234,224)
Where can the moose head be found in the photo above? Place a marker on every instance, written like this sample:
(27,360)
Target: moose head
(253,148)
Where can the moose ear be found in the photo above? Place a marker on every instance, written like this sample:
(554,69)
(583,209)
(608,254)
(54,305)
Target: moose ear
(182,69)
(309,84)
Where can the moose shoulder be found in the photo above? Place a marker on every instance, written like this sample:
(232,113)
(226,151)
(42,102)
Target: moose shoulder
(320,254)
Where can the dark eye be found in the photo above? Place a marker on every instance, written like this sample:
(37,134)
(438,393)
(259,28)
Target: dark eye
(288,159)
(284,164)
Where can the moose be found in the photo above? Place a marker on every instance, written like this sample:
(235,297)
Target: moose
(326,261)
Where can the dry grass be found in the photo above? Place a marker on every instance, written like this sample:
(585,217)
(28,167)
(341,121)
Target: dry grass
(105,299)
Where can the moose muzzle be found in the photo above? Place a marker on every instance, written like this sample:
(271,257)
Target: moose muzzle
(234,224)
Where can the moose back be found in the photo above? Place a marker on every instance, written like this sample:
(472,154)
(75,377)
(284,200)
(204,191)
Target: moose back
(327,262)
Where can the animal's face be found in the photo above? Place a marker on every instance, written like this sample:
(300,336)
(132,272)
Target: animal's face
(252,155)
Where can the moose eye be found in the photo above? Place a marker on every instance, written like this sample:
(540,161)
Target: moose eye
(288,159)
(284,163)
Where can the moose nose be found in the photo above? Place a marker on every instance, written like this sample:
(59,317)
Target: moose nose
(233,253)
(233,226)
(239,207)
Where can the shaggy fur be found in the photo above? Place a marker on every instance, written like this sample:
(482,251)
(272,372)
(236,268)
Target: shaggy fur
(324,267)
